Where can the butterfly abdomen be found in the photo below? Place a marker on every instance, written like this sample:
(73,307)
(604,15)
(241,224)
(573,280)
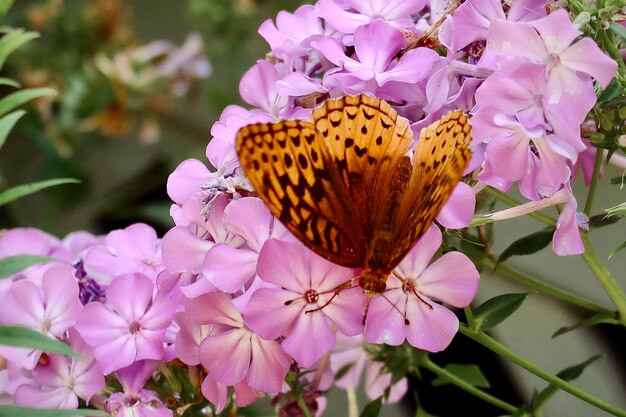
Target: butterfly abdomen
(373,282)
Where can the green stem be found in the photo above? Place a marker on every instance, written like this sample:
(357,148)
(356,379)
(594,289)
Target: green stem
(542,287)
(469,315)
(302,404)
(455,380)
(502,350)
(594,181)
(513,203)
(604,276)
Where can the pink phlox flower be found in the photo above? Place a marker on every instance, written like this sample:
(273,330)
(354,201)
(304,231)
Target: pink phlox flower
(31,241)
(59,381)
(130,326)
(551,41)
(349,352)
(347,15)
(373,64)
(585,163)
(407,310)
(258,88)
(471,21)
(515,153)
(188,339)
(186,64)
(136,401)
(50,308)
(135,249)
(230,268)
(233,353)
(306,282)
(566,239)
(290,37)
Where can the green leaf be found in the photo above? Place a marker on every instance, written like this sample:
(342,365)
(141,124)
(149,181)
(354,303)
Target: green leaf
(21,190)
(568,374)
(528,245)
(423,413)
(612,91)
(9,82)
(601,220)
(7,122)
(591,321)
(18,98)
(469,373)
(494,311)
(5,5)
(23,337)
(14,264)
(621,180)
(618,29)
(12,41)
(617,249)
(13,411)
(372,409)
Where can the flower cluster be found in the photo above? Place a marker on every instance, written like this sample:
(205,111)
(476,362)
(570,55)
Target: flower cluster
(230,294)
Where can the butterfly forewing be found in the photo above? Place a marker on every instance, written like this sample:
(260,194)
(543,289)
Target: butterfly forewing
(289,167)
(440,157)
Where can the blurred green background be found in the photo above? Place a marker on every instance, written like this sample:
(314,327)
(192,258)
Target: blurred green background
(123,176)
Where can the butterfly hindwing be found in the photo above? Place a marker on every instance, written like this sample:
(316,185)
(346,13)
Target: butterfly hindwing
(289,167)
(440,157)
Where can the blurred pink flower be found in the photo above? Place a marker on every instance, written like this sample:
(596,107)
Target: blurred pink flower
(136,401)
(59,381)
(50,308)
(130,326)
(135,249)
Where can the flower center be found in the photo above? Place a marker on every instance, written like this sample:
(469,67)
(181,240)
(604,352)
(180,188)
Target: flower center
(134,327)
(311,296)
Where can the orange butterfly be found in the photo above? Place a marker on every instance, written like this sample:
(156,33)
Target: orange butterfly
(345,186)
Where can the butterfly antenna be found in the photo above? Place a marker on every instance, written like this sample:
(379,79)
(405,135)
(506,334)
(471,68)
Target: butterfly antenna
(395,307)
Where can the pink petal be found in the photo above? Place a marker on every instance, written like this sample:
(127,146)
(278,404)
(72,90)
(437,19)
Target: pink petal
(130,295)
(228,268)
(508,156)
(585,56)
(22,305)
(269,366)
(516,40)
(415,262)
(213,308)
(28,395)
(338,18)
(346,311)
(244,395)
(249,218)
(458,211)
(385,319)
(267,313)
(309,327)
(226,356)
(453,279)
(188,339)
(431,329)
(556,30)
(215,392)
(289,272)
(62,303)
(98,326)
(118,353)
(183,251)
(187,179)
